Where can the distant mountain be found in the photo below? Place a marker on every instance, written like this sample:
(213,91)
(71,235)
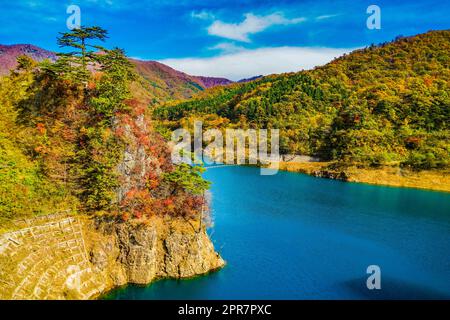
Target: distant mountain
(250,79)
(165,82)
(162,82)
(210,82)
(9,54)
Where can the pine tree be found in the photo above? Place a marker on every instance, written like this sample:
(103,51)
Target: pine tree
(77,39)
(74,64)
(113,88)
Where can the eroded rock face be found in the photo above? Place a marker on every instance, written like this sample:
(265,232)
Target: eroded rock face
(136,162)
(73,258)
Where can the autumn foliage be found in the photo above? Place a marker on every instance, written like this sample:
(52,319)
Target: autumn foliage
(65,128)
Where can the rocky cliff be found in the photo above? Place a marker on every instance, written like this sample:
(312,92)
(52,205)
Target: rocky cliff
(76,257)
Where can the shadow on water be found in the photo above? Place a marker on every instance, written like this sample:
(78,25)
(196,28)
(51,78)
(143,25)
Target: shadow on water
(166,288)
(394,289)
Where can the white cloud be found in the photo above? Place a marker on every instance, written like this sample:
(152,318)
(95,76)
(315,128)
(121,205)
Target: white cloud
(326,16)
(252,24)
(262,61)
(227,47)
(202,15)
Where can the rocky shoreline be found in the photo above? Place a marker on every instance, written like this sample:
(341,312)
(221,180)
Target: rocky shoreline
(436,180)
(76,257)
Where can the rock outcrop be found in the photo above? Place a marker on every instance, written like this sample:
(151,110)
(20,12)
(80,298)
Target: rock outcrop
(71,257)
(331,174)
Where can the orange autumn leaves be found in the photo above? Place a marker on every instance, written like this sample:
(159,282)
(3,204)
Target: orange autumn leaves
(140,204)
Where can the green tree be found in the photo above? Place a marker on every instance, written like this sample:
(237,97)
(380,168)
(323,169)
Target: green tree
(73,65)
(113,87)
(187,178)
(25,63)
(78,40)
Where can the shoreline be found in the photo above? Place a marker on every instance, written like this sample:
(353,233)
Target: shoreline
(105,295)
(390,176)
(433,180)
(59,257)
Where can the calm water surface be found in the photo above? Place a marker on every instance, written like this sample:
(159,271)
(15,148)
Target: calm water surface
(291,236)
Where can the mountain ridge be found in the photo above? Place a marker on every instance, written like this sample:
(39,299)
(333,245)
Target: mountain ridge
(163,81)
(9,54)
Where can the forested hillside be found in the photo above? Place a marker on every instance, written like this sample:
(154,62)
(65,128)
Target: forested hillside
(385,104)
(75,134)
(164,83)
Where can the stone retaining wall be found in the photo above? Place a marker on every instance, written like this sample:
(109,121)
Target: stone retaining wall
(66,257)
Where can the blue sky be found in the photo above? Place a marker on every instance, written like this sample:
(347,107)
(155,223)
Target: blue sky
(226,38)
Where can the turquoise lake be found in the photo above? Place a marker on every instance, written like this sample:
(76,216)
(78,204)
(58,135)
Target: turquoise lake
(292,236)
